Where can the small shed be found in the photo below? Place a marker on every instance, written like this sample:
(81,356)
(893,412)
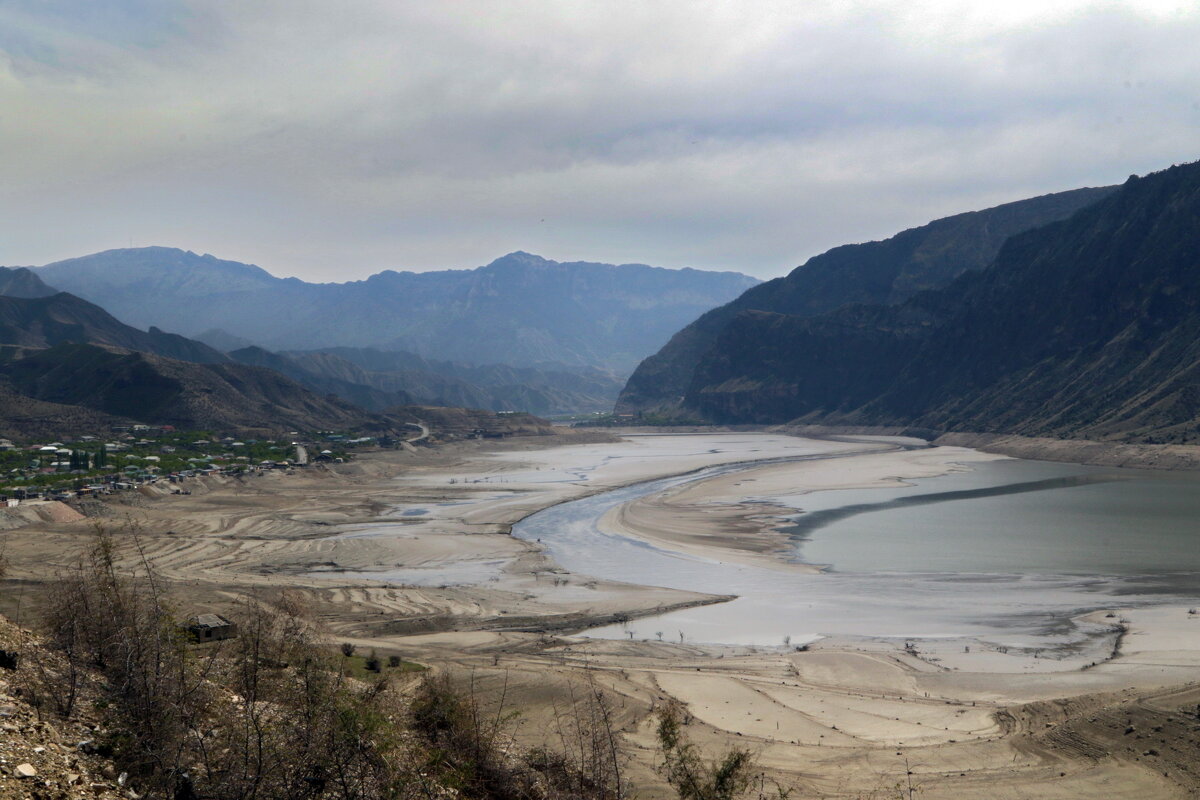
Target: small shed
(211,628)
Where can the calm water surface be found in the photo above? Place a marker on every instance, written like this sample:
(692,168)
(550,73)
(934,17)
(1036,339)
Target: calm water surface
(1008,551)
(1028,517)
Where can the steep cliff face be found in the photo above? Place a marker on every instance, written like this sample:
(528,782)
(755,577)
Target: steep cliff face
(1087,327)
(884,273)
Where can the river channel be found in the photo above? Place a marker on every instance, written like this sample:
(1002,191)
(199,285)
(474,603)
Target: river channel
(1008,552)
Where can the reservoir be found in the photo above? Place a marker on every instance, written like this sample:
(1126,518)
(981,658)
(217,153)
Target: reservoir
(1027,517)
(1007,552)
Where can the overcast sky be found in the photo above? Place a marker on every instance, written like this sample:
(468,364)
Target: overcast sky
(330,140)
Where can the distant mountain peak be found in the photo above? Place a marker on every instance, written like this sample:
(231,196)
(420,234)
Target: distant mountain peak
(519,259)
(521,255)
(521,309)
(137,261)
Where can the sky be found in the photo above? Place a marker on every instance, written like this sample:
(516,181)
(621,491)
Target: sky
(332,140)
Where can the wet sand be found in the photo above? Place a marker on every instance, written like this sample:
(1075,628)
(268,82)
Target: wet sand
(733,517)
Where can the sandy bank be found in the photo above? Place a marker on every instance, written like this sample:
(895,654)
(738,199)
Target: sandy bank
(398,541)
(1073,451)
(408,552)
(733,517)
(1081,451)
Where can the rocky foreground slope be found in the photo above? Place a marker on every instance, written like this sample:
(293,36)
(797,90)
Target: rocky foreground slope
(43,754)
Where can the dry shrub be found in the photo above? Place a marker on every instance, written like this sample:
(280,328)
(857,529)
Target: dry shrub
(472,747)
(270,715)
(290,724)
(265,715)
(590,762)
(465,745)
(694,778)
(120,626)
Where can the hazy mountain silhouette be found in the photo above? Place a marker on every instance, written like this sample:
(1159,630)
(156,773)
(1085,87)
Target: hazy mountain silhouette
(520,309)
(60,318)
(22,282)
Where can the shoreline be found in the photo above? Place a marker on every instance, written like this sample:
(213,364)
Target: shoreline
(1091,452)
(676,518)
(841,718)
(269,532)
(1169,457)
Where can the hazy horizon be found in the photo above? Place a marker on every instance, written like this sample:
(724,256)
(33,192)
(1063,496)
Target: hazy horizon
(332,144)
(351,278)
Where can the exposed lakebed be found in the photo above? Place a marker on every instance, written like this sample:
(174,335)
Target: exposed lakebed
(1008,551)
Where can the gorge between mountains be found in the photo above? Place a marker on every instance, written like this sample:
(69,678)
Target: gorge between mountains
(804,523)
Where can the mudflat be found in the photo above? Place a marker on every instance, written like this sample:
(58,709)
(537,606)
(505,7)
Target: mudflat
(410,553)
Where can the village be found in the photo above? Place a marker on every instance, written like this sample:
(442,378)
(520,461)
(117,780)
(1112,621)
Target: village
(129,456)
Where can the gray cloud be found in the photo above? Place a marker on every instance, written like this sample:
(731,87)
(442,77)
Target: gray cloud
(331,141)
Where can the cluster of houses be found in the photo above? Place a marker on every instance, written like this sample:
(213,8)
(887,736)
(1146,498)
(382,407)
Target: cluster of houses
(124,469)
(117,482)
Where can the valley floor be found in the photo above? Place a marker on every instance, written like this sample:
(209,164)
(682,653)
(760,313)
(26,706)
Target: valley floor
(410,553)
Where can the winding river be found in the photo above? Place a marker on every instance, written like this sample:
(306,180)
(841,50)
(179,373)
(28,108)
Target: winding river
(1008,552)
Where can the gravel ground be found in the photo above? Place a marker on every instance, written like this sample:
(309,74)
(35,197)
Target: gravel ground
(42,756)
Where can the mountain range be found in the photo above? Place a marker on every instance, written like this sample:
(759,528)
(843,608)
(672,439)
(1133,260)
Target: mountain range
(67,366)
(520,310)
(58,351)
(1072,315)
(523,333)
(886,273)
(1088,327)
(63,357)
